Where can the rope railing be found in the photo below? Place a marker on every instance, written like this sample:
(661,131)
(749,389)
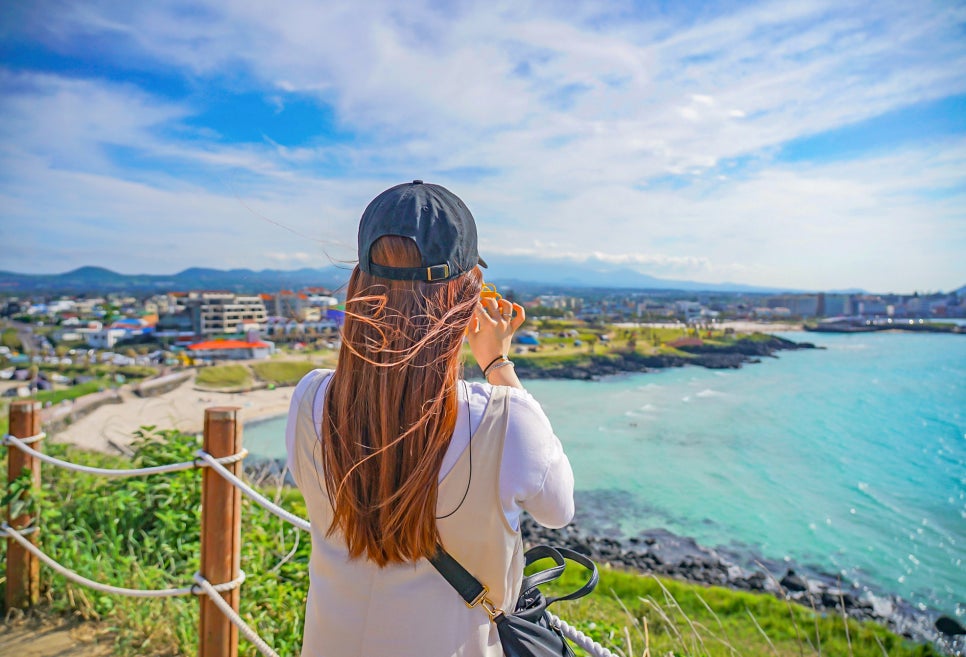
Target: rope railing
(26,531)
(200,586)
(578,637)
(29,440)
(23,446)
(243,627)
(107,588)
(252,494)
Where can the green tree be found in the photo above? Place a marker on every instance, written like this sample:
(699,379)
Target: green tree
(9,338)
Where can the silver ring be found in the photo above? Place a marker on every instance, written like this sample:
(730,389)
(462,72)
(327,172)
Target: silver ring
(506,315)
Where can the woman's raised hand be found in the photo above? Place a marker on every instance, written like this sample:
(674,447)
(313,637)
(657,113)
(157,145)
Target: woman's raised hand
(492,327)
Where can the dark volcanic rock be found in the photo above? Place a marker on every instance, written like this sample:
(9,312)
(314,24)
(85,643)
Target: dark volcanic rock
(662,552)
(793,582)
(950,626)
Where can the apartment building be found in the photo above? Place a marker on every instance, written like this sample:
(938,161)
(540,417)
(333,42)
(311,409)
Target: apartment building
(215,313)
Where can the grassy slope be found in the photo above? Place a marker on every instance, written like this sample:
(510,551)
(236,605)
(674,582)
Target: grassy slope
(143,533)
(282,372)
(57,396)
(224,376)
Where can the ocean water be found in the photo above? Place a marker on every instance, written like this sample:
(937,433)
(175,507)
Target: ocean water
(850,459)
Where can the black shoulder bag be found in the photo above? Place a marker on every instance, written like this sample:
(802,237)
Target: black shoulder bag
(527,630)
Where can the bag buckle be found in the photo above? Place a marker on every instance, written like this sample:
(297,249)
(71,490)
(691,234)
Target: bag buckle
(491,609)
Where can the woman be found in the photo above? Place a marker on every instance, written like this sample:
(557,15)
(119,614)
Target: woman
(395,454)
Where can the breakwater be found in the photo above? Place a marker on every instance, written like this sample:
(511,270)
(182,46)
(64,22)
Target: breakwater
(708,355)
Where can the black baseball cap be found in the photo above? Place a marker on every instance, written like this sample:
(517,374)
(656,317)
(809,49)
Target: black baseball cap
(432,216)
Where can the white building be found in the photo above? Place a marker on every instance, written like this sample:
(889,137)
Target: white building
(104,338)
(215,313)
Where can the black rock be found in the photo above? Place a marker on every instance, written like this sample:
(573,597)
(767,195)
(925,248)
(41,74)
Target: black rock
(793,582)
(950,626)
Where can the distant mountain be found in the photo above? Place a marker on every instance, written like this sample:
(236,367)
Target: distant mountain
(532,274)
(601,274)
(99,280)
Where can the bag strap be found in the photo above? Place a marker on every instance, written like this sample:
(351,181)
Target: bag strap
(587,563)
(474,593)
(547,575)
(469,588)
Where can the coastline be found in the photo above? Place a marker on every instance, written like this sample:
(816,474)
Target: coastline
(654,551)
(111,428)
(746,350)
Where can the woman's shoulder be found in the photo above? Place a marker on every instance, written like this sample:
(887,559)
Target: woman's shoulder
(522,406)
(311,379)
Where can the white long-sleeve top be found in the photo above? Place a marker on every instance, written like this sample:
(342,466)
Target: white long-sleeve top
(535,474)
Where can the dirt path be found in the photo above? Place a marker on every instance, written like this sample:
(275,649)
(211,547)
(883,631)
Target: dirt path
(46,638)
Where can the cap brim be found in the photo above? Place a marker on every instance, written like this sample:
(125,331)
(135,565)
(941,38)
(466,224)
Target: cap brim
(483,263)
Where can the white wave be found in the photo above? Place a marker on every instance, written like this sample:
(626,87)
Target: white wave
(708,392)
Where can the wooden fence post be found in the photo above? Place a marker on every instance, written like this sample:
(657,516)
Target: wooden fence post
(220,532)
(23,568)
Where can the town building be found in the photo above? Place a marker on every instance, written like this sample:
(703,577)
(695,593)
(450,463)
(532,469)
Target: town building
(834,305)
(224,313)
(308,305)
(798,305)
(231,349)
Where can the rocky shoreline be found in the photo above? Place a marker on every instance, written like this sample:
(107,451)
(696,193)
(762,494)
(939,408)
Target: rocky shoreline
(664,553)
(711,356)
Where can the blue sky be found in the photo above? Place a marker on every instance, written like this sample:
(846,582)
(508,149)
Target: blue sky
(811,145)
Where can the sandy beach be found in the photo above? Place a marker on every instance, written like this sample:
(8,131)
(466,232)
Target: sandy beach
(182,408)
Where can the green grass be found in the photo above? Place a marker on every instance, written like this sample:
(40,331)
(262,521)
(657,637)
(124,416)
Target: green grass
(127,371)
(689,619)
(283,372)
(224,376)
(144,533)
(57,396)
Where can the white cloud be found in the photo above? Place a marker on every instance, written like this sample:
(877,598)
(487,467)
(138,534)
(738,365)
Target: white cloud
(289,258)
(577,116)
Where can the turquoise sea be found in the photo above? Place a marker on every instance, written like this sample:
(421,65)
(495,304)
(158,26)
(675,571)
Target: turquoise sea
(850,460)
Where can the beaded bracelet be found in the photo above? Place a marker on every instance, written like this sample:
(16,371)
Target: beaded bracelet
(504,363)
(492,362)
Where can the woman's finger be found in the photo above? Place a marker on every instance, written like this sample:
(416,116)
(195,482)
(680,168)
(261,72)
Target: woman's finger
(491,305)
(482,312)
(506,309)
(520,318)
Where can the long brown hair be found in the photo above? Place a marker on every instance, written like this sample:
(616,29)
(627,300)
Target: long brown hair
(391,406)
